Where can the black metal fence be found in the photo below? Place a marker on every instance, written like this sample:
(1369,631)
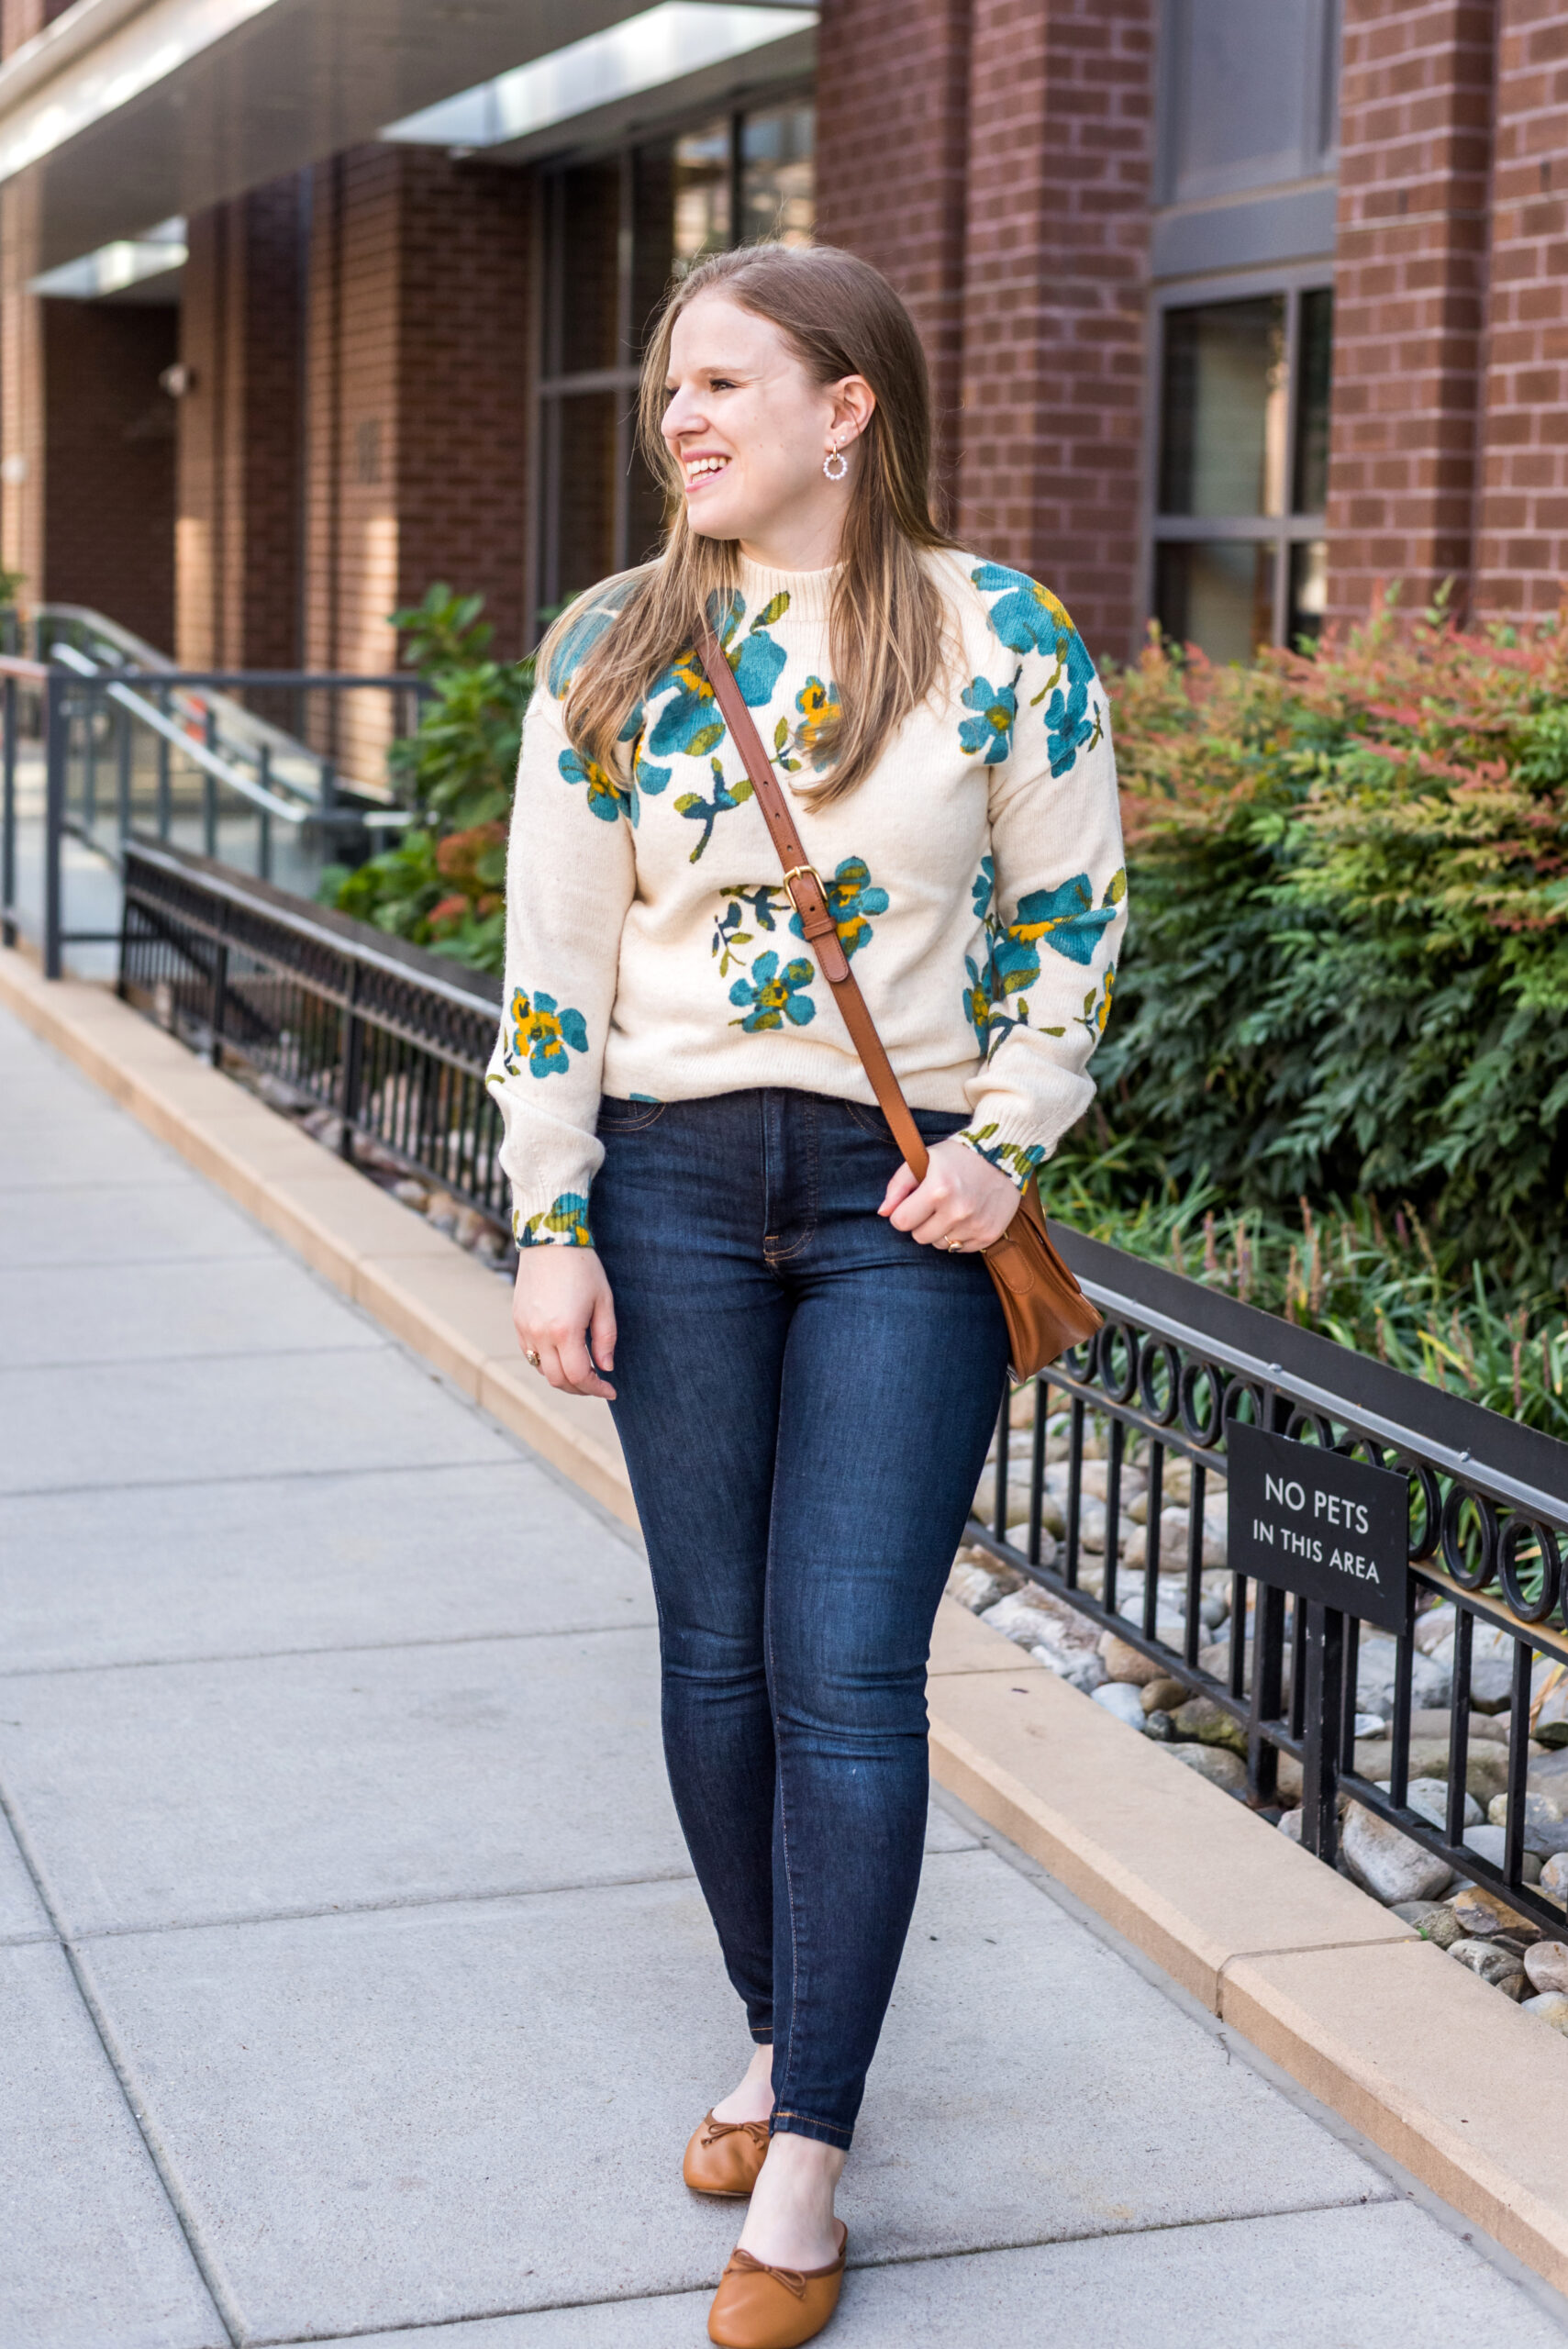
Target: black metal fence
(393,1039)
(396,1040)
(169,751)
(1174,1368)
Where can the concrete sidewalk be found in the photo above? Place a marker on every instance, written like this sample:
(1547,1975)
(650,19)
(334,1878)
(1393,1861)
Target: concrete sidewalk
(354,1980)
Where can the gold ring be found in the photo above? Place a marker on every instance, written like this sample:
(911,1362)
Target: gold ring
(955,1247)
(529,1356)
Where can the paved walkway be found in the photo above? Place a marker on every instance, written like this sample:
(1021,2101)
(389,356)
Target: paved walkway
(354,1982)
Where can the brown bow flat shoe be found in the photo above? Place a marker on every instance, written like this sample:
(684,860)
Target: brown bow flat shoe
(724,2157)
(758,2307)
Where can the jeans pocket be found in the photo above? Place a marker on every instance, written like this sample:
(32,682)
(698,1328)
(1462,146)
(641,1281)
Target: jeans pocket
(627,1117)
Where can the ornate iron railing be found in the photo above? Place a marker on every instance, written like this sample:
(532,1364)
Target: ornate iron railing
(391,1038)
(396,1040)
(1174,1366)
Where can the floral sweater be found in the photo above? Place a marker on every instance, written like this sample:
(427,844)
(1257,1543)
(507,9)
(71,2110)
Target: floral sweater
(977,876)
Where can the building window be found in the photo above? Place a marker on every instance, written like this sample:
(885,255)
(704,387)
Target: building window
(618,228)
(1241,470)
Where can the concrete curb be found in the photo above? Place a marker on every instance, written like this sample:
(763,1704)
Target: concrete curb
(1427,2061)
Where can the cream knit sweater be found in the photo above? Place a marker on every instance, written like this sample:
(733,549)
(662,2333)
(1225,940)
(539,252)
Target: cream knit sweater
(976,874)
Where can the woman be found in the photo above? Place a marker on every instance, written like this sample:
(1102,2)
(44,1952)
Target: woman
(808,1352)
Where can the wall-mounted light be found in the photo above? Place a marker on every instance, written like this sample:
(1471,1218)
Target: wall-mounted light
(178,381)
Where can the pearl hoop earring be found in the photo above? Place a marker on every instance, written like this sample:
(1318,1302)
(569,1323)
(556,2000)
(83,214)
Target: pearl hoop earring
(835,464)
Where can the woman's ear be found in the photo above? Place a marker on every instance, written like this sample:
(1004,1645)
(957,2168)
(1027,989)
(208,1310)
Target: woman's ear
(853,404)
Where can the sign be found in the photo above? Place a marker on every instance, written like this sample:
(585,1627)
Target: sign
(1312,1523)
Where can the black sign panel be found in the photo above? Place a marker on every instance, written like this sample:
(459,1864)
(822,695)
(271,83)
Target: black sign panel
(1312,1523)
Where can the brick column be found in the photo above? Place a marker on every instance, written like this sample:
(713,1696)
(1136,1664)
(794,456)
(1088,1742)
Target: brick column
(1056,279)
(1414,150)
(892,146)
(420,339)
(1522,532)
(240,433)
(108,470)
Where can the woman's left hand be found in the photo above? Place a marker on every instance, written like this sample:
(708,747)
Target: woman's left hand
(964,1201)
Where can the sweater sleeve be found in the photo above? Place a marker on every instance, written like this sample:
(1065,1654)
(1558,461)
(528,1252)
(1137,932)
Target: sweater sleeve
(569,879)
(1057,907)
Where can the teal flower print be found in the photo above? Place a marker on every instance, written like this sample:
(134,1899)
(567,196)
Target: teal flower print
(977,1001)
(575,643)
(706,812)
(1029,619)
(851,900)
(1068,727)
(770,996)
(689,721)
(564,1223)
(646,782)
(1096,1008)
(1067,918)
(728,936)
(984,888)
(991,731)
(1020,1160)
(606,797)
(542,1032)
(819,706)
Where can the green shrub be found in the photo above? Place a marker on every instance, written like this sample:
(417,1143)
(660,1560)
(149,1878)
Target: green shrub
(1348,960)
(441,885)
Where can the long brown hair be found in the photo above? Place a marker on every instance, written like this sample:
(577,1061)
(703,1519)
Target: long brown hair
(886,627)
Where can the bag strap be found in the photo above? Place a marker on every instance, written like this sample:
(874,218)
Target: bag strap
(803,885)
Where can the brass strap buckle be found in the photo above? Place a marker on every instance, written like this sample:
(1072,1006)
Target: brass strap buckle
(793,874)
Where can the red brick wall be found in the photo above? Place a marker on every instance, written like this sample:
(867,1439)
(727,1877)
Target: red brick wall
(420,343)
(240,446)
(892,148)
(1521,556)
(1060,147)
(1416,107)
(108,501)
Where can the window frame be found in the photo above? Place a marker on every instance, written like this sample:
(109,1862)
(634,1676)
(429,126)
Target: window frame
(1284,530)
(551,389)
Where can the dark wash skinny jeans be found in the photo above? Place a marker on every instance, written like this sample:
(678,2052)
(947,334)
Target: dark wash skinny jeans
(805,1396)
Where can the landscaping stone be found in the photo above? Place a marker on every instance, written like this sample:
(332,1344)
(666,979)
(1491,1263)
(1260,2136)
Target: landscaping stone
(1376,1661)
(1031,1614)
(1290,1824)
(1546,1829)
(1428,1797)
(1389,1865)
(1549,2007)
(1125,1664)
(1488,1841)
(1118,1697)
(1210,1724)
(977,1587)
(1433,1920)
(1491,1667)
(1482,1916)
(1159,1725)
(1498,1966)
(1554,1877)
(1546,1963)
(1217,1763)
(1080,1667)
(1552,1714)
(1164,1695)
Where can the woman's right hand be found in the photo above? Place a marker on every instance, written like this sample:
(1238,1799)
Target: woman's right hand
(561,1302)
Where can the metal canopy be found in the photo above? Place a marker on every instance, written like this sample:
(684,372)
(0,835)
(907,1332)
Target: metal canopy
(224,95)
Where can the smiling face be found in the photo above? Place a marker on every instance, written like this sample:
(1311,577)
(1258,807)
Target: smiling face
(749,429)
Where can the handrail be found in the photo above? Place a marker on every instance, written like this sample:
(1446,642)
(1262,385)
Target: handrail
(291,811)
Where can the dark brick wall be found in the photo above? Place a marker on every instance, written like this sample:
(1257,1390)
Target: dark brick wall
(994,157)
(1410,279)
(891,157)
(109,471)
(240,437)
(418,338)
(1521,552)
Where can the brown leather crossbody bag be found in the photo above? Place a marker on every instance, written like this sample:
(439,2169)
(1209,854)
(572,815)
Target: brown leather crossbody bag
(1046,1310)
